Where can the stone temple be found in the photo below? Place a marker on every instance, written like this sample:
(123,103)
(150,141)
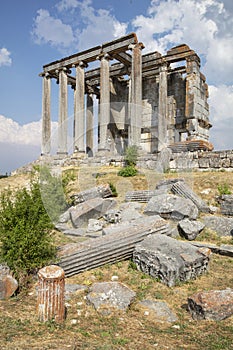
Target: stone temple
(128,98)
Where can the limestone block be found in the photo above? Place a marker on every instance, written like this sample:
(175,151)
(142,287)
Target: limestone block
(221,225)
(8,284)
(226,204)
(212,305)
(106,296)
(190,229)
(169,260)
(157,311)
(171,207)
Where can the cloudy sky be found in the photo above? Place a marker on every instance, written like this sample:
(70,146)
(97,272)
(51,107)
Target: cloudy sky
(34,33)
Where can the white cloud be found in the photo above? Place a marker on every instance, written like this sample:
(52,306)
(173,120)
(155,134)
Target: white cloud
(5,59)
(48,29)
(64,5)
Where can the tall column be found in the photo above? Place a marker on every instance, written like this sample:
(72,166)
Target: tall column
(136,95)
(62,120)
(104,103)
(162,110)
(79,109)
(90,125)
(46,119)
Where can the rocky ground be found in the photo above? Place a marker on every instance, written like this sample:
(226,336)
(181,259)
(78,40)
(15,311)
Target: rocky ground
(139,325)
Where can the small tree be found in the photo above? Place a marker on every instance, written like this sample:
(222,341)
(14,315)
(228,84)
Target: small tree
(131,155)
(26,243)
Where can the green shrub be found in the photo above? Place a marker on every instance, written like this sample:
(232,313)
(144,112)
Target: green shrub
(224,189)
(113,189)
(26,243)
(128,171)
(131,155)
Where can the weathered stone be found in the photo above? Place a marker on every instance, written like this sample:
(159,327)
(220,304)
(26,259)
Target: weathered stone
(71,289)
(226,204)
(143,196)
(8,285)
(169,260)
(117,246)
(157,311)
(221,225)
(182,189)
(212,305)
(171,207)
(112,216)
(90,209)
(94,225)
(223,249)
(167,184)
(102,191)
(190,229)
(107,296)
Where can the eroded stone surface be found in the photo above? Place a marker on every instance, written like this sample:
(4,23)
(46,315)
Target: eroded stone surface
(158,310)
(8,286)
(171,207)
(190,229)
(212,305)
(169,260)
(106,296)
(221,225)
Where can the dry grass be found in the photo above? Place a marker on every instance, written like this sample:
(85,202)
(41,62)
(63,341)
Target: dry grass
(84,328)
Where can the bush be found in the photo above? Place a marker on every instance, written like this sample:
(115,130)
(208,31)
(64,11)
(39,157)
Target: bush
(131,155)
(26,243)
(224,189)
(113,189)
(128,171)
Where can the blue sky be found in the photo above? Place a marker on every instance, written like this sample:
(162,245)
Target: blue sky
(34,33)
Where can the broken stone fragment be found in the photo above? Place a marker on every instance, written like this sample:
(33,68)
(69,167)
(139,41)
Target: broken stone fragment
(223,226)
(102,191)
(171,207)
(190,229)
(90,209)
(8,286)
(226,204)
(169,260)
(107,296)
(157,311)
(212,305)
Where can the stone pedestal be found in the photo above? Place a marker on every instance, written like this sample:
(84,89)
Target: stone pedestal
(51,289)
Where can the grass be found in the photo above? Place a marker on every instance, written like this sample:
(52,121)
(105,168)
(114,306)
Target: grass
(85,329)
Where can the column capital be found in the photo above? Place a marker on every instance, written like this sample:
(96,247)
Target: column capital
(63,69)
(136,46)
(104,55)
(81,64)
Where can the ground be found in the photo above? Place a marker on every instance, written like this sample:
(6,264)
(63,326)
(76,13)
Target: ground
(84,328)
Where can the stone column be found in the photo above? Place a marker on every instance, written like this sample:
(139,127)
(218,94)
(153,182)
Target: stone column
(104,115)
(136,95)
(51,291)
(90,125)
(63,105)
(162,110)
(46,119)
(79,109)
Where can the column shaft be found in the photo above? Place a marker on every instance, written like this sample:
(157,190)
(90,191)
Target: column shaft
(62,121)
(79,112)
(104,103)
(46,120)
(162,110)
(90,125)
(136,96)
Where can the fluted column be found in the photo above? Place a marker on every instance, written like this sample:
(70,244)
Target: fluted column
(136,95)
(63,105)
(46,119)
(104,103)
(162,110)
(79,109)
(90,125)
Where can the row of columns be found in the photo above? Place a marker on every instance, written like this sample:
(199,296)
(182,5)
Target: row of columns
(79,106)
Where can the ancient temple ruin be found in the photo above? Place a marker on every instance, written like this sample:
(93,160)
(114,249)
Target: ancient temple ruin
(151,101)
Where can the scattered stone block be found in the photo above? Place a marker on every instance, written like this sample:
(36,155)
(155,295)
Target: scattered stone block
(221,225)
(90,209)
(107,296)
(8,284)
(112,216)
(169,260)
(102,191)
(143,196)
(171,207)
(166,185)
(190,229)
(212,305)
(158,311)
(226,204)
(117,246)
(94,225)
(180,188)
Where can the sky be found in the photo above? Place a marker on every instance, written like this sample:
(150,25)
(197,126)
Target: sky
(36,32)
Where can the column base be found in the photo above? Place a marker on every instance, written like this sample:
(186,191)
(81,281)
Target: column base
(79,154)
